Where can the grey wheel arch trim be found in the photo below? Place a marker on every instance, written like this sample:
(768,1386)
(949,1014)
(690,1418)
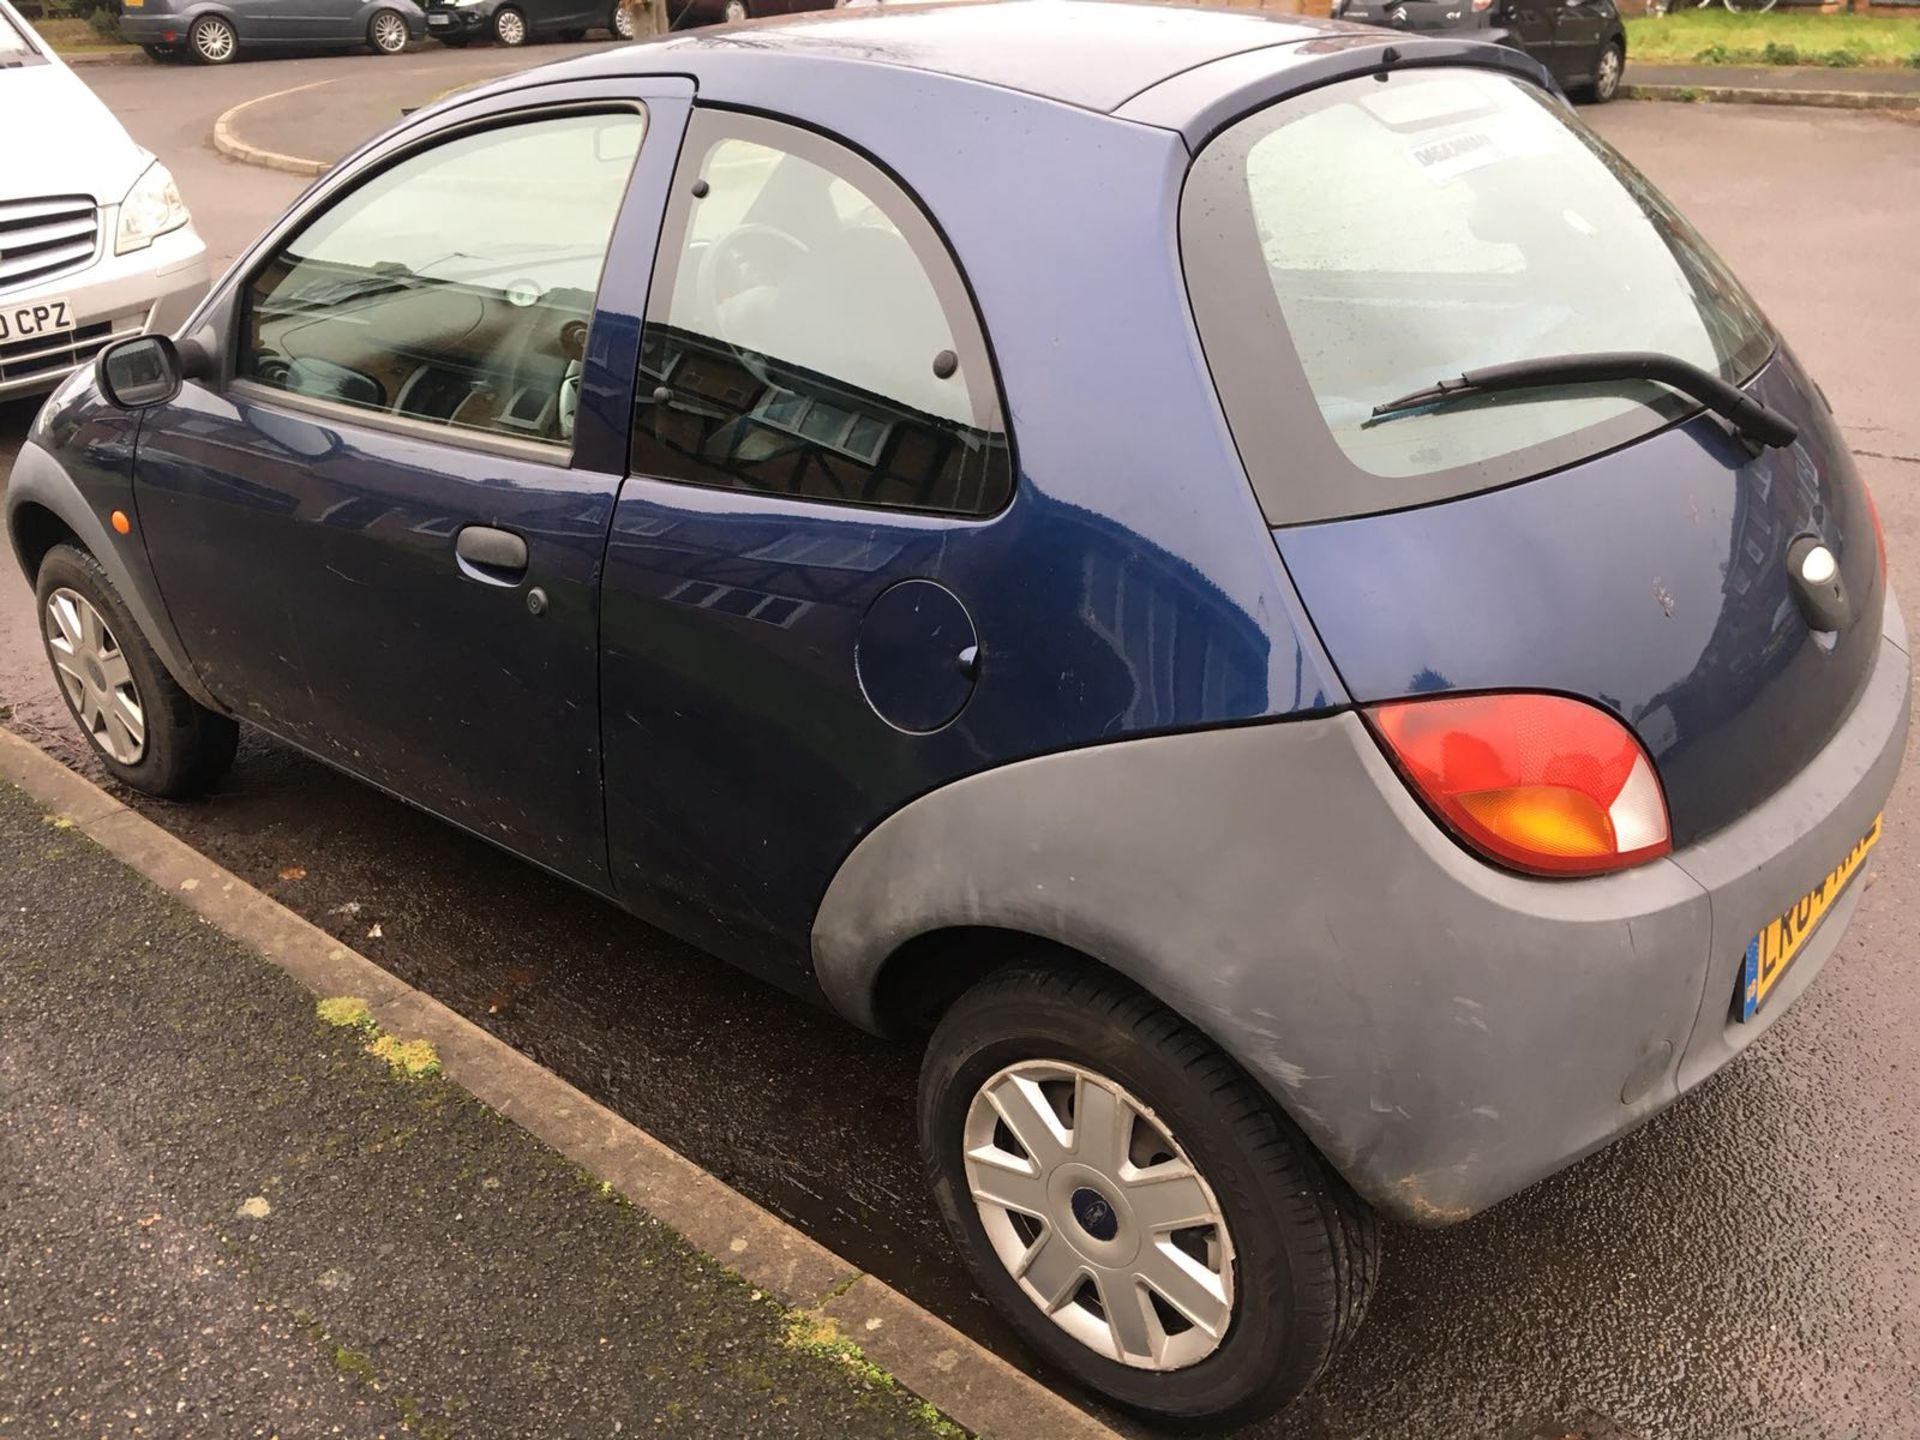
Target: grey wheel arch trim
(1444,1032)
(37,479)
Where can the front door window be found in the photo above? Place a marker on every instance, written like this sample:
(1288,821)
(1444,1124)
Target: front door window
(456,288)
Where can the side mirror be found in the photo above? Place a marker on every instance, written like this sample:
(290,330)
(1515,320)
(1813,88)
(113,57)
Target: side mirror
(139,373)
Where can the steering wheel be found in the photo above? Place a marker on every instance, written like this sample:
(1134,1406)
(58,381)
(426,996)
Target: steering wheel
(728,266)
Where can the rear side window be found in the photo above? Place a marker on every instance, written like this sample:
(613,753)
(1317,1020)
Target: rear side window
(1369,238)
(809,336)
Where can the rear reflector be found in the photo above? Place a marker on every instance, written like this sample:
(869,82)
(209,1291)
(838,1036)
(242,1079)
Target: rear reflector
(1539,783)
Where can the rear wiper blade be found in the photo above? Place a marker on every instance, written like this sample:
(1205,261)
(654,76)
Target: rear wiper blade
(1756,421)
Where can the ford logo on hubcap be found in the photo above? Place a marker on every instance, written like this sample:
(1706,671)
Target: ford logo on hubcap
(1095,1213)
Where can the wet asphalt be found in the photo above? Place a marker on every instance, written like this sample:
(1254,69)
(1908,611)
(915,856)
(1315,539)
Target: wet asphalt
(1746,1265)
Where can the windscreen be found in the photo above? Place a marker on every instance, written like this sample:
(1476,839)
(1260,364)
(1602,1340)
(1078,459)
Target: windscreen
(1369,238)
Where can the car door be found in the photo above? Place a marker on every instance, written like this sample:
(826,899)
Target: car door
(817,452)
(1530,23)
(272,21)
(381,531)
(1579,28)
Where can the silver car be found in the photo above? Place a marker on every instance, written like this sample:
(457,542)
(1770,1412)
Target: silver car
(95,241)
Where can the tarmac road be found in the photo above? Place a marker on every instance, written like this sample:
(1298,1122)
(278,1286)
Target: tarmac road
(1749,1264)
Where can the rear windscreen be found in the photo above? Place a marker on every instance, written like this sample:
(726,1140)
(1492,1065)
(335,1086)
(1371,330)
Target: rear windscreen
(1374,236)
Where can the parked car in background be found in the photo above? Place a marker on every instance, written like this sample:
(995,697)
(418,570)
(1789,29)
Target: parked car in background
(683,14)
(515,22)
(215,32)
(1342,715)
(95,242)
(1583,43)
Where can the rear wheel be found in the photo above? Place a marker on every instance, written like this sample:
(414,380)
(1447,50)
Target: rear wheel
(387,33)
(146,730)
(735,11)
(509,26)
(213,40)
(1607,71)
(620,22)
(1133,1204)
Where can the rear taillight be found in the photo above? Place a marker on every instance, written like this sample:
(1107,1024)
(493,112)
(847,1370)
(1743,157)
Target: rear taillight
(1879,530)
(1539,783)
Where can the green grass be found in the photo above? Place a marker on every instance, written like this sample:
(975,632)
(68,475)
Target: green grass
(1714,37)
(67,34)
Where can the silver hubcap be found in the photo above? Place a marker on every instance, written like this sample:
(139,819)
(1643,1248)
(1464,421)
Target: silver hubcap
(623,23)
(215,41)
(1097,1212)
(390,32)
(1609,77)
(735,11)
(510,27)
(95,676)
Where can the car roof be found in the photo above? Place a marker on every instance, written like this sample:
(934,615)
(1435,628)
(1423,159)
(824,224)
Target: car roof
(1094,54)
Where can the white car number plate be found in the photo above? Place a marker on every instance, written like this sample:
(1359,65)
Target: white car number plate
(42,317)
(439,19)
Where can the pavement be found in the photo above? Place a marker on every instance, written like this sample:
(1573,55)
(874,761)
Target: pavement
(1748,1265)
(222,1215)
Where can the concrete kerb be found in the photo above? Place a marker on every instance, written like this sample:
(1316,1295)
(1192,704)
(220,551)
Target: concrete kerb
(973,1386)
(226,136)
(1748,95)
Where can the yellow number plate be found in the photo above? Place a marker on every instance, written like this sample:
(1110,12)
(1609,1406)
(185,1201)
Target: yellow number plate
(1772,950)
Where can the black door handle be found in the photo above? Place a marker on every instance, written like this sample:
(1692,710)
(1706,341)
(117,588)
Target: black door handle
(499,557)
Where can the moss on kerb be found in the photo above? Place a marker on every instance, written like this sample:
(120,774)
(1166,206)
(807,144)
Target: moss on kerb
(415,1059)
(817,1336)
(346,1010)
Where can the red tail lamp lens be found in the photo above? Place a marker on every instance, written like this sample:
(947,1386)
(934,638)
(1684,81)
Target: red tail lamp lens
(1879,530)
(1539,783)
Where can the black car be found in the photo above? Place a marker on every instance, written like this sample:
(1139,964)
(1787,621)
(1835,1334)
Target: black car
(1583,42)
(515,22)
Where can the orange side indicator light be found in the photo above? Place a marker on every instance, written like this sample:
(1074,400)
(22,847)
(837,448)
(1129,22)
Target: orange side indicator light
(121,524)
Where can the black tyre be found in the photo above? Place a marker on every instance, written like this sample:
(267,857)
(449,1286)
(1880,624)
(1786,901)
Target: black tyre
(1207,1269)
(145,729)
(620,22)
(213,40)
(387,33)
(1607,73)
(509,26)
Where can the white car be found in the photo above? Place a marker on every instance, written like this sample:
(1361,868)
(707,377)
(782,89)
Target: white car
(95,242)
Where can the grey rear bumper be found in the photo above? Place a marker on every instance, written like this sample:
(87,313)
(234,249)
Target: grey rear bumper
(1445,1032)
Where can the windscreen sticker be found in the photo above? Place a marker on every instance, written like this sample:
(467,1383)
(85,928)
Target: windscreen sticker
(1457,154)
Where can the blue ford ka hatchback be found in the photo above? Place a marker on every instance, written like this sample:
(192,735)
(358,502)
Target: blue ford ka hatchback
(1249,581)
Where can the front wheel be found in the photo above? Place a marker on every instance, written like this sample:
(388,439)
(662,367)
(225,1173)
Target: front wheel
(620,22)
(213,40)
(1133,1204)
(146,730)
(735,11)
(387,33)
(509,26)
